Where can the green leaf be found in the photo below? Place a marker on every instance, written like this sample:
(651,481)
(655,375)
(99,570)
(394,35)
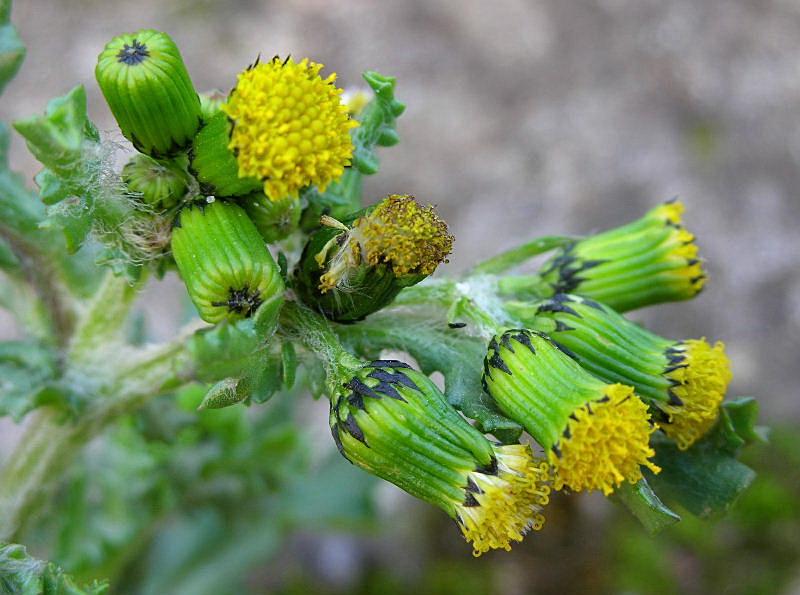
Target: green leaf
(223,394)
(27,378)
(516,256)
(12,53)
(289,360)
(437,348)
(19,209)
(56,139)
(21,574)
(223,351)
(707,478)
(643,503)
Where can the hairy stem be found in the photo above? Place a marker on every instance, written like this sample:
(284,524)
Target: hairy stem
(51,442)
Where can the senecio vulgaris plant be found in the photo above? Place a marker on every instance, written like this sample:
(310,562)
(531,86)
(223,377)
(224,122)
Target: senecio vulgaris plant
(254,198)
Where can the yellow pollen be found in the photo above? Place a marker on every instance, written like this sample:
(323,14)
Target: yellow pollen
(290,128)
(605,443)
(702,380)
(409,237)
(509,502)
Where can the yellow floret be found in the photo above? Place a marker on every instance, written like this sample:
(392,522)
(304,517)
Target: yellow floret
(505,504)
(410,237)
(605,443)
(700,378)
(290,128)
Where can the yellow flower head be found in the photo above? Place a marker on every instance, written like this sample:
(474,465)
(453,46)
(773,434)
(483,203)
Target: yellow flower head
(699,374)
(289,127)
(503,504)
(585,458)
(394,422)
(400,233)
(596,434)
(684,382)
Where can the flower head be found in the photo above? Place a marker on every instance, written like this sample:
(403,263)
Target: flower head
(393,422)
(649,261)
(699,374)
(596,434)
(684,382)
(289,126)
(350,270)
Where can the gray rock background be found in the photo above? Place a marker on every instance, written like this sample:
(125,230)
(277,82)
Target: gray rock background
(527,118)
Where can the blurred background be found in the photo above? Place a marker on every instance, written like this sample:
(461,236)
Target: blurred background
(527,118)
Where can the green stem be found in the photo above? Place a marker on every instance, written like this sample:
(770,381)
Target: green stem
(314,332)
(51,442)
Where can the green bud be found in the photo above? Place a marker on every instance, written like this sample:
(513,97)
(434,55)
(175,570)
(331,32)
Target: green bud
(223,261)
(214,164)
(148,89)
(351,269)
(274,219)
(394,422)
(649,261)
(161,184)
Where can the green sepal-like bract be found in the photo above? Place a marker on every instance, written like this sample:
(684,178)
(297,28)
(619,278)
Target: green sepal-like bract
(223,261)
(147,87)
(214,164)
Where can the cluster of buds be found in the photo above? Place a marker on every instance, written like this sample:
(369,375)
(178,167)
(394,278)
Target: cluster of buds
(591,386)
(235,172)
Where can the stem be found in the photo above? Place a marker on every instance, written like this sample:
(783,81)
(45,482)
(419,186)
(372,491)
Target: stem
(105,318)
(51,442)
(313,331)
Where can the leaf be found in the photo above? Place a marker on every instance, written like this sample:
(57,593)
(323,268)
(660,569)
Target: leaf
(12,53)
(19,209)
(21,574)
(56,138)
(437,348)
(518,255)
(27,378)
(707,478)
(643,503)
(223,394)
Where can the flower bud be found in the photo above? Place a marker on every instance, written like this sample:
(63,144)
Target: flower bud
(161,184)
(223,261)
(286,128)
(393,422)
(596,434)
(684,382)
(350,270)
(649,261)
(274,219)
(148,89)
